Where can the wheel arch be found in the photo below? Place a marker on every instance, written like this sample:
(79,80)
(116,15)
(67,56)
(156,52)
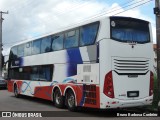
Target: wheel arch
(53,90)
(14,84)
(70,88)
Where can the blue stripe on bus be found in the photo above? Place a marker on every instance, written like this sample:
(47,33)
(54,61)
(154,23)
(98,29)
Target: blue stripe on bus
(83,97)
(68,80)
(33,93)
(21,61)
(18,62)
(73,58)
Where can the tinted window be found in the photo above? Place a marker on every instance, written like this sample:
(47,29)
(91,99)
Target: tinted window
(71,39)
(34,73)
(26,73)
(13,53)
(41,73)
(27,48)
(57,43)
(36,47)
(21,50)
(129,30)
(46,44)
(14,73)
(45,73)
(88,34)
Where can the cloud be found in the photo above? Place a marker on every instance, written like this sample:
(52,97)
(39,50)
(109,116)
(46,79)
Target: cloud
(33,18)
(30,18)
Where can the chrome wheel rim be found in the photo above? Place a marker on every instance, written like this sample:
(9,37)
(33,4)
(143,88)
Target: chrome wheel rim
(58,97)
(71,100)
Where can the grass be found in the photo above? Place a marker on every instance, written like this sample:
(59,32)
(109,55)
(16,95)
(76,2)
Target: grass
(154,106)
(155,91)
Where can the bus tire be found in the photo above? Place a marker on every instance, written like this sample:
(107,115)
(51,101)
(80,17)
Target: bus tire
(70,101)
(16,94)
(58,99)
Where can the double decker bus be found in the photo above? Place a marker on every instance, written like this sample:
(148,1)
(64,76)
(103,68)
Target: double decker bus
(101,63)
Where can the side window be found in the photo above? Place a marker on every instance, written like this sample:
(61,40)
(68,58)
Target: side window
(35,73)
(14,74)
(42,73)
(71,39)
(13,53)
(26,73)
(27,49)
(20,50)
(45,73)
(36,47)
(88,34)
(46,45)
(57,43)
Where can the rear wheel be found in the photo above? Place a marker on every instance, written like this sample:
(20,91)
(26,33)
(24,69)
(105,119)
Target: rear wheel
(16,94)
(58,99)
(70,101)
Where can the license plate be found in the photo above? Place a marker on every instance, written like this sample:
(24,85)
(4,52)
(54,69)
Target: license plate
(132,93)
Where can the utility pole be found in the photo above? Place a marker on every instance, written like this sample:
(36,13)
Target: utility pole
(157,13)
(1,20)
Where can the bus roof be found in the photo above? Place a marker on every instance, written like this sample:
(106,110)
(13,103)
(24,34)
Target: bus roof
(94,19)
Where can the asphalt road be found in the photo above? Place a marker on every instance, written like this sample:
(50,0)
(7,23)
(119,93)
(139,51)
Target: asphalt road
(10,103)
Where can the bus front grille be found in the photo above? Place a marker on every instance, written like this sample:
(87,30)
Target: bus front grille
(130,66)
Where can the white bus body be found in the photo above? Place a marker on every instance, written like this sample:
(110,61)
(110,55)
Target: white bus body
(112,71)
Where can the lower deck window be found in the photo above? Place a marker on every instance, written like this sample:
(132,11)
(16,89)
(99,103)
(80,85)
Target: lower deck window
(35,73)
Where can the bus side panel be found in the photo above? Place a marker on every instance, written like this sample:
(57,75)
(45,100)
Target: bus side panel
(89,96)
(86,95)
(92,99)
(79,95)
(19,85)
(10,84)
(44,92)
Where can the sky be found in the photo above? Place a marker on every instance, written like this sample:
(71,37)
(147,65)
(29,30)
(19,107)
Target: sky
(32,18)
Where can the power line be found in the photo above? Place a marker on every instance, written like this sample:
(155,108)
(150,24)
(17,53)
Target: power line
(111,10)
(99,15)
(60,13)
(71,10)
(31,38)
(96,16)
(115,8)
(134,7)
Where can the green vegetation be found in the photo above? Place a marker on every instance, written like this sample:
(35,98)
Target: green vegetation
(154,106)
(155,91)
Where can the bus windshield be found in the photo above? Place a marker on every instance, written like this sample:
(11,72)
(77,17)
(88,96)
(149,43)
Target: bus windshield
(130,30)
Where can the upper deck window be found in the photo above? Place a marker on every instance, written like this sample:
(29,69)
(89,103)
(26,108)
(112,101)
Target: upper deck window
(21,50)
(71,39)
(57,43)
(129,30)
(36,47)
(88,34)
(13,53)
(46,44)
(27,49)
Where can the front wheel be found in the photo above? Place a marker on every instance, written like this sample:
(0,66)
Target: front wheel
(70,101)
